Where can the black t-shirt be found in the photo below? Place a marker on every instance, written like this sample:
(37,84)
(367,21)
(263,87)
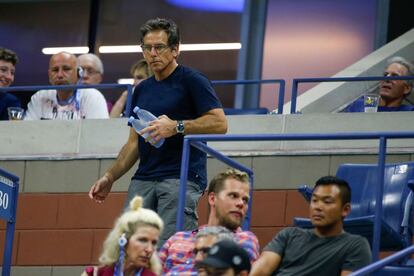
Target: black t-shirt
(305,253)
(184,95)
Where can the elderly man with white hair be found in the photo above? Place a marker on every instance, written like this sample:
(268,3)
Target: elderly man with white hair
(392,93)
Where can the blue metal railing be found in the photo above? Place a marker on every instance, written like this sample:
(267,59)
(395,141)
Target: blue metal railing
(197,141)
(9,191)
(384,262)
(281,93)
(128,87)
(295,83)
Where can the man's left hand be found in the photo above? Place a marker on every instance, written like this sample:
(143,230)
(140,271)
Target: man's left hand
(164,127)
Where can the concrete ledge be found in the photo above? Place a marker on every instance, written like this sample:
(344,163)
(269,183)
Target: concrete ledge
(100,139)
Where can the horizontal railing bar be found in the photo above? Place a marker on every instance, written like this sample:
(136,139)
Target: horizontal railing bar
(246,81)
(382,263)
(300,136)
(61,87)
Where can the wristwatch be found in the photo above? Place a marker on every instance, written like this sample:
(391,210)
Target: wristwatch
(180,127)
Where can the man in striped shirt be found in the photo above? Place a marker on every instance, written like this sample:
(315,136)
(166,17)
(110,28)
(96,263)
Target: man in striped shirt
(228,197)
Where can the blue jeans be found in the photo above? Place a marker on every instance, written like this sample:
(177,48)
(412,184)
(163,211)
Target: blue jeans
(162,197)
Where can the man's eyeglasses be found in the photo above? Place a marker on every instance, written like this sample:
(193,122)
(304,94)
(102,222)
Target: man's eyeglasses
(159,48)
(90,71)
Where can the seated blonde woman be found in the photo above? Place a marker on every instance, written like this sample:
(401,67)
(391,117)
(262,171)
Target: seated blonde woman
(130,246)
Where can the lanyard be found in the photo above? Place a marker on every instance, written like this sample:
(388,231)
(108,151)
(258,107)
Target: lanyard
(75,97)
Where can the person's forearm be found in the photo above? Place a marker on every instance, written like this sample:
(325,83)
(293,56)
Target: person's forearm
(125,160)
(210,123)
(118,107)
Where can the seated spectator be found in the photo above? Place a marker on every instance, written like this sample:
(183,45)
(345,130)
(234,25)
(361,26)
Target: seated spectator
(324,250)
(8,61)
(139,71)
(225,258)
(130,246)
(392,92)
(92,69)
(208,236)
(228,197)
(66,104)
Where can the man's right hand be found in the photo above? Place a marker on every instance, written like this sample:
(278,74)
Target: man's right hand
(100,190)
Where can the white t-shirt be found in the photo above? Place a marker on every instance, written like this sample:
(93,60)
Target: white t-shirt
(84,104)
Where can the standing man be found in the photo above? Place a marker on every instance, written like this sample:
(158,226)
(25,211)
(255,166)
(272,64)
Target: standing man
(8,60)
(185,103)
(392,92)
(228,198)
(66,104)
(325,250)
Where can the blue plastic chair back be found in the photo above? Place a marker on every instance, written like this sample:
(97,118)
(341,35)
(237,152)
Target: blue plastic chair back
(363,179)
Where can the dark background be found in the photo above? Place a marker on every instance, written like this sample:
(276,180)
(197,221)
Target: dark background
(28,26)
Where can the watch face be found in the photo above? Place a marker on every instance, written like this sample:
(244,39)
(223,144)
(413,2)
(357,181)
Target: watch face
(180,127)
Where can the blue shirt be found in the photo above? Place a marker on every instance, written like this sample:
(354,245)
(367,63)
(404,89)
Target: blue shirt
(7,100)
(184,95)
(358,106)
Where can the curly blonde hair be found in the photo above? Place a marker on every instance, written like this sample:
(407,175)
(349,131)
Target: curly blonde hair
(127,224)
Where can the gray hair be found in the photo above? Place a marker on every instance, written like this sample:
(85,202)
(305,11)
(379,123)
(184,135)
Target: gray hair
(406,64)
(220,232)
(95,59)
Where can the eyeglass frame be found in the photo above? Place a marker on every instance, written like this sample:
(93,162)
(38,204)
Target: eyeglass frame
(159,48)
(90,71)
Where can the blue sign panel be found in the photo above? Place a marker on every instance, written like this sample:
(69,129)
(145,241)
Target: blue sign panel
(6,198)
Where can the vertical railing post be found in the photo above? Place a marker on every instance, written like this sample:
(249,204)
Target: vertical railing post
(246,223)
(183,185)
(376,239)
(129,101)
(294,96)
(282,85)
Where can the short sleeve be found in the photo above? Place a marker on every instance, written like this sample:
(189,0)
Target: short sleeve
(202,92)
(279,242)
(359,255)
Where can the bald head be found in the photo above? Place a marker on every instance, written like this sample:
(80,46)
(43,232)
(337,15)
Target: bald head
(62,69)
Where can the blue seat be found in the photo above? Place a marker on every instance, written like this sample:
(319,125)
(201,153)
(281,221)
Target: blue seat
(246,111)
(396,221)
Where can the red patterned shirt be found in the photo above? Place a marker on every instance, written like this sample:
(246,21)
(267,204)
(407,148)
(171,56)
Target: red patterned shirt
(177,254)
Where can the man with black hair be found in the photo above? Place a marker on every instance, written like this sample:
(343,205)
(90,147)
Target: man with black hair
(324,250)
(8,61)
(184,102)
